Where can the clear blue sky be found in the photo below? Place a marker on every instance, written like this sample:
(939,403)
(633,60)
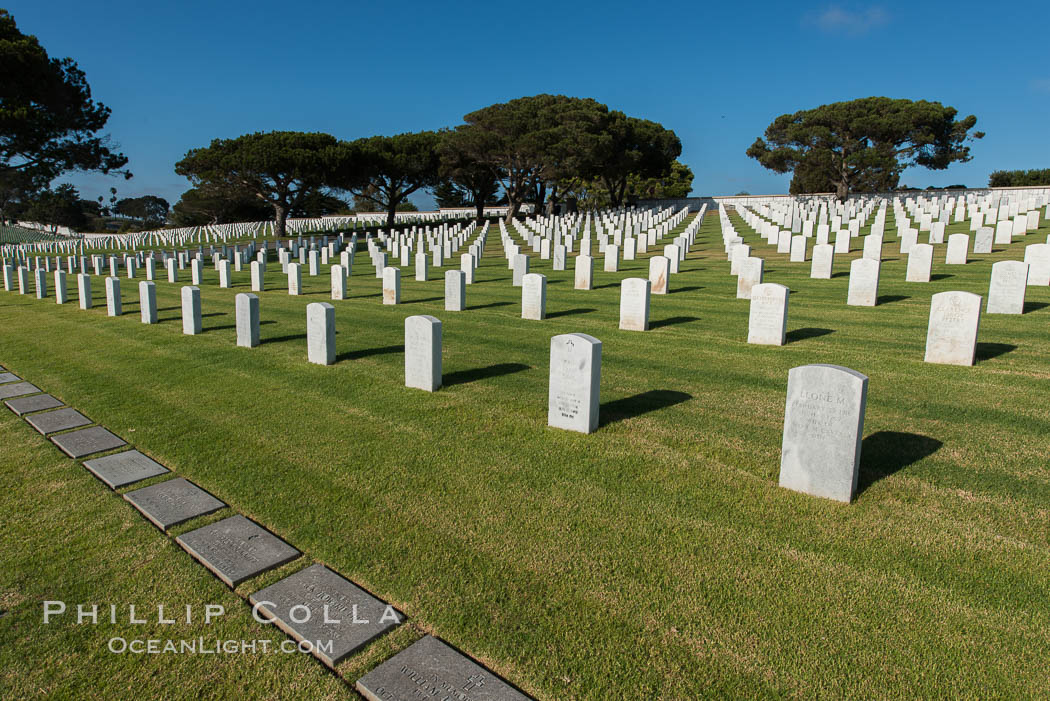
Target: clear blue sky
(177,74)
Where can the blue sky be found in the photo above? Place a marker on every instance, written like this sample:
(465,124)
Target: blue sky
(177,74)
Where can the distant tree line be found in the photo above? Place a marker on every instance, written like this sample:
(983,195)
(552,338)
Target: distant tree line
(543,150)
(1019,178)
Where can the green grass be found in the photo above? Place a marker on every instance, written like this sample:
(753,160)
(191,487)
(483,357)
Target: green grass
(656,558)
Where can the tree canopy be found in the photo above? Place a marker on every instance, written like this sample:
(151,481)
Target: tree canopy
(1019,178)
(532,141)
(628,147)
(465,180)
(864,144)
(49,125)
(61,206)
(390,168)
(152,210)
(279,168)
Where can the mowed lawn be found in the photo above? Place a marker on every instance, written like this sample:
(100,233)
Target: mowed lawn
(655,558)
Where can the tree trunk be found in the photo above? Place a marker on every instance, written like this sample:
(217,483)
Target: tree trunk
(479,205)
(391,213)
(280,216)
(514,204)
(841,190)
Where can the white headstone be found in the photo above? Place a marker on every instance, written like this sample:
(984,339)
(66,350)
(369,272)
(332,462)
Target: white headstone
(634,304)
(295,278)
(423,350)
(84,290)
(1037,255)
(659,274)
(823,261)
(751,270)
(575,382)
(148,302)
(191,310)
(61,289)
(920,262)
(247,306)
(338,279)
(983,238)
(1006,290)
(863,283)
(951,338)
(391,285)
(521,268)
(767,321)
(798,249)
(823,428)
(584,277)
(320,333)
(958,247)
(113,302)
(534,297)
(455,290)
(873,247)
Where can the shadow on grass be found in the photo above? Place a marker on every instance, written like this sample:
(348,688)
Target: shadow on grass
(425,299)
(841,273)
(570,312)
(888,452)
(282,339)
(353,355)
(490,305)
(639,404)
(608,284)
(672,321)
(940,276)
(462,377)
(1030,307)
(802,334)
(889,299)
(987,351)
(691,288)
(227,327)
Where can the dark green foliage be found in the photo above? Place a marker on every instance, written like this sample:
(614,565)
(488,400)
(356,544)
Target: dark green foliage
(216,204)
(466,179)
(280,168)
(390,169)
(149,209)
(863,145)
(533,141)
(1019,178)
(61,206)
(48,122)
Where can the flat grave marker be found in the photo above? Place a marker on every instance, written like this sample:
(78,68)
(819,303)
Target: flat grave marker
(37,402)
(429,665)
(121,469)
(87,441)
(320,607)
(236,549)
(175,501)
(17,390)
(58,420)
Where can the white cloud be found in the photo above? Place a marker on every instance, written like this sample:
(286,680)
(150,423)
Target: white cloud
(836,19)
